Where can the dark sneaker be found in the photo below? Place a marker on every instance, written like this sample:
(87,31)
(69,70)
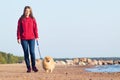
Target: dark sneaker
(29,70)
(34,69)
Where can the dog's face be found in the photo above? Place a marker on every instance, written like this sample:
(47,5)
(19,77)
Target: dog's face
(48,58)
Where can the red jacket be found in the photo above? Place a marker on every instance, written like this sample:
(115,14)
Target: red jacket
(27,29)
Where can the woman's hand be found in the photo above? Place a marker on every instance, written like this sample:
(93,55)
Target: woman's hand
(36,39)
(19,41)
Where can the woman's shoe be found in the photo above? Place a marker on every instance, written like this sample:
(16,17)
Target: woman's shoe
(34,69)
(29,70)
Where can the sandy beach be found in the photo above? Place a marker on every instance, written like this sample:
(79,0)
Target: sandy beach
(18,72)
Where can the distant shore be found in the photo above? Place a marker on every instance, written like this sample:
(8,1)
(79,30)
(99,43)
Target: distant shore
(88,61)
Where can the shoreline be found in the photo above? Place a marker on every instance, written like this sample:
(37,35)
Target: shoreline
(70,72)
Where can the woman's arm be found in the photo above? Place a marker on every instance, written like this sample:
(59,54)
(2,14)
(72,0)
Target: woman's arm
(35,29)
(18,31)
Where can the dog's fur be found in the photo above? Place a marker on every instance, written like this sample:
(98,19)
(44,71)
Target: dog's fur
(48,64)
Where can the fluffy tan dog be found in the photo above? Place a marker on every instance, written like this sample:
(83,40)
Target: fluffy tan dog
(48,64)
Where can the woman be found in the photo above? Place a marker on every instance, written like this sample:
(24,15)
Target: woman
(27,33)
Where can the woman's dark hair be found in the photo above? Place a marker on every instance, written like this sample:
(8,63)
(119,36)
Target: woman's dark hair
(31,14)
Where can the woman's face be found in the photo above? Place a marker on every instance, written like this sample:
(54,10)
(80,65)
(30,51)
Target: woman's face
(27,12)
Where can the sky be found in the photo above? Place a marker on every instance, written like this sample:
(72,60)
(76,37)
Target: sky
(67,28)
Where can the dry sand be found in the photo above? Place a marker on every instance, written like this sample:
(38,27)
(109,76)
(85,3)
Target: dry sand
(18,72)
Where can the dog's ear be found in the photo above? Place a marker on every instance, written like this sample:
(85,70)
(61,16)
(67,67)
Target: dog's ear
(46,57)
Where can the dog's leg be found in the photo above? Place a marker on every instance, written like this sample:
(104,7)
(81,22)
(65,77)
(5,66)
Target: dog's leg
(51,70)
(47,71)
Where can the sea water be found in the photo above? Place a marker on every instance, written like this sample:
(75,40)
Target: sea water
(104,68)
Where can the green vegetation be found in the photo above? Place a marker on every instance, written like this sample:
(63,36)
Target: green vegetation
(7,58)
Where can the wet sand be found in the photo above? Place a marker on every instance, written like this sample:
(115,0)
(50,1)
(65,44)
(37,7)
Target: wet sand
(18,72)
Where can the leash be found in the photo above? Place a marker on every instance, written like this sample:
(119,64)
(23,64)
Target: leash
(39,49)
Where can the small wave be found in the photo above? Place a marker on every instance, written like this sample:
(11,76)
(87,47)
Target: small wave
(104,68)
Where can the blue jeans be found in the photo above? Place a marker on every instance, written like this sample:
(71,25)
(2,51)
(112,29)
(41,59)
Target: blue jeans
(29,47)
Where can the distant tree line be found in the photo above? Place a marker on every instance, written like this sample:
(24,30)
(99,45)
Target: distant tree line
(8,58)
